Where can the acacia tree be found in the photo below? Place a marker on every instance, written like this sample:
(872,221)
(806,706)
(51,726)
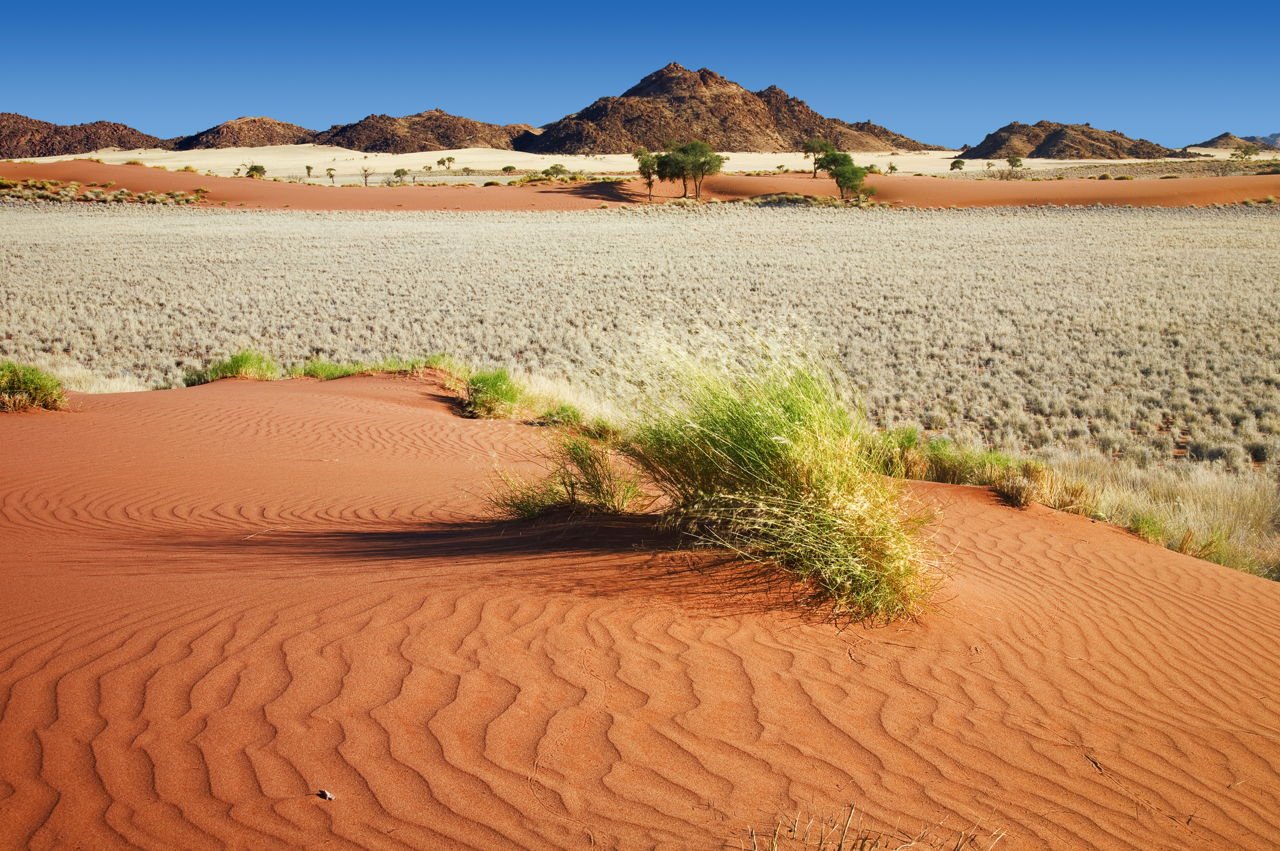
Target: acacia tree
(400,174)
(330,172)
(366,173)
(830,161)
(957,164)
(849,178)
(257,172)
(647,165)
(692,161)
(308,172)
(814,149)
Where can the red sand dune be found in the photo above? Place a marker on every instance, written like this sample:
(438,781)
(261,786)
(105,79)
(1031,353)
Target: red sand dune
(895,189)
(219,600)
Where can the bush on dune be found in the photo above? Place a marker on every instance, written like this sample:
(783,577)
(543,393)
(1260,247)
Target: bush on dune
(768,462)
(492,393)
(25,387)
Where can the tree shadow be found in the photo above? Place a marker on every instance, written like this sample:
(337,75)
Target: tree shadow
(602,190)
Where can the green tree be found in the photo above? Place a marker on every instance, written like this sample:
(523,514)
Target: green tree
(814,149)
(849,178)
(366,173)
(257,172)
(330,172)
(308,172)
(892,169)
(647,165)
(1014,162)
(692,161)
(830,161)
(507,169)
(555,170)
(400,174)
(442,162)
(448,163)
(957,164)
(1244,153)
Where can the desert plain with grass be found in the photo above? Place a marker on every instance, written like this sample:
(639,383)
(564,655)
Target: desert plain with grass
(500,498)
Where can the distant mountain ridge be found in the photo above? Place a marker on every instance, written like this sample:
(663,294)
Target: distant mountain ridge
(1272,141)
(1051,140)
(21,136)
(675,104)
(433,130)
(247,132)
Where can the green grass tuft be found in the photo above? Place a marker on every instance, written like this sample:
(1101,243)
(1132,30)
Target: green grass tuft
(244,364)
(771,463)
(584,476)
(492,393)
(25,387)
(562,414)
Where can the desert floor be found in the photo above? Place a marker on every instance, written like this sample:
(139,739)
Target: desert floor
(896,190)
(290,162)
(220,600)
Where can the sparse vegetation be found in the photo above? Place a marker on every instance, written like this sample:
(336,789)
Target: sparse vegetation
(255,171)
(246,363)
(957,164)
(24,387)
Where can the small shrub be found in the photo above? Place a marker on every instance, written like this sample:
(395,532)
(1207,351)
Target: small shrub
(492,393)
(244,364)
(584,476)
(25,387)
(1124,177)
(1104,176)
(492,183)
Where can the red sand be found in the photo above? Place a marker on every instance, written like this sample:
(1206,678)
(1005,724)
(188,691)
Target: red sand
(219,600)
(898,190)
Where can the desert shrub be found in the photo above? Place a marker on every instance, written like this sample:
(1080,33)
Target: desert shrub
(584,476)
(492,393)
(243,364)
(1104,176)
(25,387)
(1124,177)
(768,462)
(492,183)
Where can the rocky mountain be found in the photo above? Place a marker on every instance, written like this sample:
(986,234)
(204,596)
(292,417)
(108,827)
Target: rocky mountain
(248,132)
(674,104)
(433,130)
(22,137)
(1050,140)
(1271,142)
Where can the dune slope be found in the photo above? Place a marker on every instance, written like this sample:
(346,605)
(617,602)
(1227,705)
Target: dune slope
(220,600)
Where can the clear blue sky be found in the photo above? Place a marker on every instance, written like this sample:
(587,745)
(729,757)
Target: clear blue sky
(942,73)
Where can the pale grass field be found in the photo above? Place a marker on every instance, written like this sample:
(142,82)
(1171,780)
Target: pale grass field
(1150,333)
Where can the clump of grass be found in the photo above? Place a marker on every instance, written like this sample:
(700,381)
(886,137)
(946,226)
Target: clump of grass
(243,364)
(324,370)
(770,463)
(25,387)
(585,476)
(492,393)
(562,414)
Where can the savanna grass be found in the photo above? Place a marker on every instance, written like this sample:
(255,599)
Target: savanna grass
(492,393)
(25,387)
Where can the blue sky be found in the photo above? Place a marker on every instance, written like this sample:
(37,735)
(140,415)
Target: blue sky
(942,73)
